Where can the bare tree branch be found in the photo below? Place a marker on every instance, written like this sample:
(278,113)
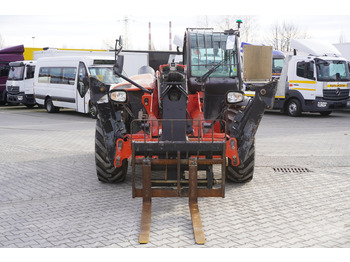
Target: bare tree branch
(248,27)
(2,43)
(280,35)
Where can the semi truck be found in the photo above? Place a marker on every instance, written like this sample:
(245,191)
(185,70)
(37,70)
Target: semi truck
(315,78)
(8,55)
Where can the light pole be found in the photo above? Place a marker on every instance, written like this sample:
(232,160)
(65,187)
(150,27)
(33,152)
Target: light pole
(33,40)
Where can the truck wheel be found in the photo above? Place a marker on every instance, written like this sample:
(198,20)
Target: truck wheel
(50,108)
(30,106)
(294,107)
(106,171)
(244,171)
(325,113)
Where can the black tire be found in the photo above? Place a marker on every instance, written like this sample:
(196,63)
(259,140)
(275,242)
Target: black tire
(244,171)
(325,113)
(29,106)
(294,107)
(106,171)
(50,108)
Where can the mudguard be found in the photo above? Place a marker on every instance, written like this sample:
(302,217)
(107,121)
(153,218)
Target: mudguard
(246,122)
(110,119)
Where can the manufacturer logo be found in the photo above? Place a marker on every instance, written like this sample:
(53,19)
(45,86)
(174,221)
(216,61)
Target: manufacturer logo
(337,91)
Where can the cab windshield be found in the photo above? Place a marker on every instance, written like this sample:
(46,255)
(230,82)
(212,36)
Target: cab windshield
(332,70)
(105,75)
(16,73)
(277,64)
(209,50)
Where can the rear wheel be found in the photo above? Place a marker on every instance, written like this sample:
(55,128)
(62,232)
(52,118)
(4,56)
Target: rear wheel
(106,171)
(244,171)
(50,108)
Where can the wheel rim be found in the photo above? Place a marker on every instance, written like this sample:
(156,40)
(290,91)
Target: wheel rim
(292,108)
(93,111)
(48,105)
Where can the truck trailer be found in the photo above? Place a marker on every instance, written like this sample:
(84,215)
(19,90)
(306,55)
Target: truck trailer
(8,55)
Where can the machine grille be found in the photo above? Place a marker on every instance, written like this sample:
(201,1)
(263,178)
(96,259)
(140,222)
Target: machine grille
(13,89)
(336,94)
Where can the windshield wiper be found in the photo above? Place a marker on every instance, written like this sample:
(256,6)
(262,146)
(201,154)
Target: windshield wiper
(204,77)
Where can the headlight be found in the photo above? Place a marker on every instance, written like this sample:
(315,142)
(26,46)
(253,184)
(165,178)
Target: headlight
(234,97)
(119,96)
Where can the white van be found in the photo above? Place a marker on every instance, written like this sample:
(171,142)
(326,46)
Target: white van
(64,81)
(19,84)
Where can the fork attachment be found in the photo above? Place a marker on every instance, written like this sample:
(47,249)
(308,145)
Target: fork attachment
(192,193)
(193,203)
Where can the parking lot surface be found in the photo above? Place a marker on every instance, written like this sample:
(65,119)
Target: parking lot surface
(50,195)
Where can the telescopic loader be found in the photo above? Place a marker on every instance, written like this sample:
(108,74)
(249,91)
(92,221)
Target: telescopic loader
(183,123)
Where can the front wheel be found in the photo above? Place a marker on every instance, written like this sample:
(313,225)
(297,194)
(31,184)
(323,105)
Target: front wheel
(106,171)
(30,106)
(244,171)
(92,110)
(294,107)
(325,113)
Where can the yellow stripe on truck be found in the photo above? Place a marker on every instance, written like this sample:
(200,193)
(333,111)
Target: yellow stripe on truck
(294,82)
(305,89)
(301,82)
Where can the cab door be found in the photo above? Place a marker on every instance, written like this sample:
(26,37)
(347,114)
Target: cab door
(304,79)
(82,88)
(29,80)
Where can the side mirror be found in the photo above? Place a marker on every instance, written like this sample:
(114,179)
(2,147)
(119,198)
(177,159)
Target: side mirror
(118,67)
(120,41)
(230,42)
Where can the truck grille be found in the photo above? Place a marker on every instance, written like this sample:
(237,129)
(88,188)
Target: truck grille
(336,94)
(13,89)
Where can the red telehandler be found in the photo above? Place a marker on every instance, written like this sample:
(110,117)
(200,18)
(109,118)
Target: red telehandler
(188,126)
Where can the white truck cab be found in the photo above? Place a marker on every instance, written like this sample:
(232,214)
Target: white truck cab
(19,84)
(316,81)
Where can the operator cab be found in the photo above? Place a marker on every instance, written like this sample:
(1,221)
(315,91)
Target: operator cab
(213,66)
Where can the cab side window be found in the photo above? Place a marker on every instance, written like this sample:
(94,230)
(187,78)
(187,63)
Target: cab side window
(83,80)
(30,71)
(305,70)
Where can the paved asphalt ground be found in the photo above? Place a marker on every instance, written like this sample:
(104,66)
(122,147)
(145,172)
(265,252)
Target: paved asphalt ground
(50,195)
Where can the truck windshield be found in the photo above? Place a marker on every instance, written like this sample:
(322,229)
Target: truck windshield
(105,75)
(16,73)
(332,71)
(208,50)
(277,64)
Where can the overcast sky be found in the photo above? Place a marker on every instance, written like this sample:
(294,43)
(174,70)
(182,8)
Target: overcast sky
(88,26)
